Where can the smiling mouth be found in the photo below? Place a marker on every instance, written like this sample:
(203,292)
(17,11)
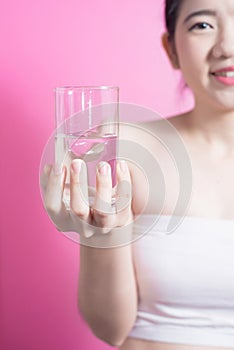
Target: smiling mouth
(224,74)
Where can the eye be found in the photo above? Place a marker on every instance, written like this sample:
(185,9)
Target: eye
(201,26)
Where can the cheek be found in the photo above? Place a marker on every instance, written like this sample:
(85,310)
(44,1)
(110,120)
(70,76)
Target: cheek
(188,54)
(192,60)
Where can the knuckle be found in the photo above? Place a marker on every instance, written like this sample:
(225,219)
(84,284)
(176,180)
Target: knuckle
(125,217)
(106,225)
(104,220)
(52,210)
(103,185)
(101,215)
(75,181)
(52,207)
(81,213)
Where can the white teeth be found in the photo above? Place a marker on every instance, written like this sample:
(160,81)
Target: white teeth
(225,74)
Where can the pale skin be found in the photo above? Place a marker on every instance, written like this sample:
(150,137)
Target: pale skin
(110,305)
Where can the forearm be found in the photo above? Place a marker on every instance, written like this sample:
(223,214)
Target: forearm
(107,291)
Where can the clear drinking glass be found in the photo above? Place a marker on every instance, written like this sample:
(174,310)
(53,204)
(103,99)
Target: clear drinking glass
(87,128)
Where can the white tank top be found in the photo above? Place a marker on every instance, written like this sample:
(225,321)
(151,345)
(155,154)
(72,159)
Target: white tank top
(186,283)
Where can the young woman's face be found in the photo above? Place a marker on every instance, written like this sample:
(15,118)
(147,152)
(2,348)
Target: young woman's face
(204,42)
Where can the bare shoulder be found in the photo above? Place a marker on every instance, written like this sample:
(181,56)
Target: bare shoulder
(157,135)
(142,130)
(150,143)
(169,124)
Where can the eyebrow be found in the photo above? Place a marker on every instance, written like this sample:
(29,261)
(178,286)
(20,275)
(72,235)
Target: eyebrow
(200,13)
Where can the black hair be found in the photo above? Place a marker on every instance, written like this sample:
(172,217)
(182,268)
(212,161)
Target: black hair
(172,8)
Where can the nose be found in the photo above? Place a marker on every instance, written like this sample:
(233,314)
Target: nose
(224,46)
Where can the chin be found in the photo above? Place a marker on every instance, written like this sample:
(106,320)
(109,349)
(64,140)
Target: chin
(226,108)
(220,104)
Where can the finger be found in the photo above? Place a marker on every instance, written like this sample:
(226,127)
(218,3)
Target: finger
(79,189)
(45,176)
(102,209)
(124,190)
(102,201)
(54,191)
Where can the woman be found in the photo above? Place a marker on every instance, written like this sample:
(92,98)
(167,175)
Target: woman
(177,292)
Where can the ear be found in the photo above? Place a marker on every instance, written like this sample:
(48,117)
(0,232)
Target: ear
(169,47)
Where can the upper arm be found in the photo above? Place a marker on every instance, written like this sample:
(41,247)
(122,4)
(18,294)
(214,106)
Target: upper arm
(132,148)
(139,189)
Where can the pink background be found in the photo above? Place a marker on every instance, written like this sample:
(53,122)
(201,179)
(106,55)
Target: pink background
(44,44)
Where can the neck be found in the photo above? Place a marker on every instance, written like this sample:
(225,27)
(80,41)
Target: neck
(214,128)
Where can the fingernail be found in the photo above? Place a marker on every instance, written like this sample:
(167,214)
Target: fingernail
(76,165)
(103,168)
(123,166)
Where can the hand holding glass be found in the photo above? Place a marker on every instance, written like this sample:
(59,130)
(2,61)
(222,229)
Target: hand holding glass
(86,128)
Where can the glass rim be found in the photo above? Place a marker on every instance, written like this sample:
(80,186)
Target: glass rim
(85,87)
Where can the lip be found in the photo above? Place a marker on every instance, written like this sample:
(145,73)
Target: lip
(224,69)
(223,80)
